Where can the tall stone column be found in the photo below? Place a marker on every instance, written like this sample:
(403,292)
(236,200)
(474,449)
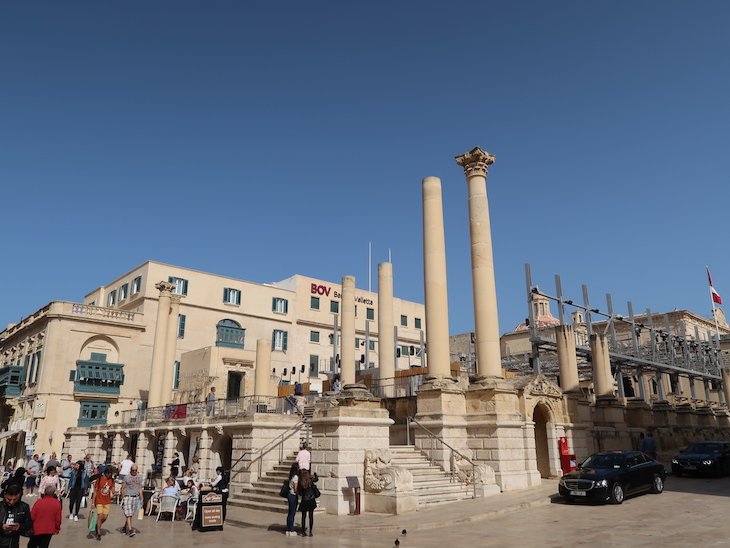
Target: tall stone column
(262,376)
(476,164)
(347,342)
(434,280)
(171,343)
(118,454)
(159,350)
(726,385)
(602,380)
(386,338)
(567,361)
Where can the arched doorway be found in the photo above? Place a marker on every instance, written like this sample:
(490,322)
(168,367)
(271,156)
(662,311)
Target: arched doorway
(221,451)
(540,418)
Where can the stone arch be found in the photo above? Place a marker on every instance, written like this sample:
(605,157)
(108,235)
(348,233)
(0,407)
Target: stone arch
(542,419)
(100,344)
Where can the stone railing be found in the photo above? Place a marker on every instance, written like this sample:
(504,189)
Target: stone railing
(101,312)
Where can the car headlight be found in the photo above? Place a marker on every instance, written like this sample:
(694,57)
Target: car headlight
(562,482)
(707,462)
(602,483)
(675,461)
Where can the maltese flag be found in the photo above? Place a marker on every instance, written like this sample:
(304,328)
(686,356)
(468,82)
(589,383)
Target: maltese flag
(715,295)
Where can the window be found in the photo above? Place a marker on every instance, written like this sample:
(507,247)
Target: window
(404,320)
(314,303)
(136,285)
(371,345)
(371,365)
(176,376)
(313,365)
(314,336)
(35,367)
(357,343)
(279,305)
(123,292)
(278,340)
(370,313)
(92,413)
(181,285)
(229,334)
(181,326)
(111,299)
(231,296)
(417,323)
(405,350)
(97,376)
(335,307)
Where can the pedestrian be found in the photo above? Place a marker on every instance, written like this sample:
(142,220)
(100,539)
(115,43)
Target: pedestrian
(103,493)
(78,484)
(67,465)
(210,400)
(175,465)
(292,498)
(18,478)
(125,467)
(51,478)
(304,457)
(337,385)
(650,445)
(88,465)
(220,485)
(32,469)
(308,492)
(15,517)
(53,461)
(132,497)
(46,517)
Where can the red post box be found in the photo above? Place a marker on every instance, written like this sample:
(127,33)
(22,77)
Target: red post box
(568,461)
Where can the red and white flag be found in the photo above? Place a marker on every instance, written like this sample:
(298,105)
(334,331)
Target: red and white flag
(715,295)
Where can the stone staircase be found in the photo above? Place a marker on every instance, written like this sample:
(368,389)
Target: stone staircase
(432,485)
(264,492)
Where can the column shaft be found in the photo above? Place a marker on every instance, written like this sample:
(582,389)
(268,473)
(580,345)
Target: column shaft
(347,342)
(171,343)
(565,337)
(262,376)
(386,342)
(157,370)
(434,280)
(726,385)
(602,380)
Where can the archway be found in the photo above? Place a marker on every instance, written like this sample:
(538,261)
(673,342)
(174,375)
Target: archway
(221,451)
(540,417)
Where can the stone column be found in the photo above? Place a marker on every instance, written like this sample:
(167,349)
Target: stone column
(567,361)
(347,342)
(434,280)
(171,343)
(386,338)
(726,385)
(118,454)
(157,371)
(476,163)
(205,465)
(602,380)
(262,376)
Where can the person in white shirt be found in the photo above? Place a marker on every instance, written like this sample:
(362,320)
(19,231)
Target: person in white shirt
(304,458)
(125,467)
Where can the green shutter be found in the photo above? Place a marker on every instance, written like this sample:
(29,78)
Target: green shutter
(284,345)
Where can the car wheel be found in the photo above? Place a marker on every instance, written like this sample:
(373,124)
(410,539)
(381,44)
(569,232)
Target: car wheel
(657,484)
(617,493)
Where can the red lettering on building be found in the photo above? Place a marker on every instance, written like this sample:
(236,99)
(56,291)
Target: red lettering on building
(319,289)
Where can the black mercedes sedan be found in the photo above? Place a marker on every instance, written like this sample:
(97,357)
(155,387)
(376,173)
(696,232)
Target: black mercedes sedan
(703,457)
(612,476)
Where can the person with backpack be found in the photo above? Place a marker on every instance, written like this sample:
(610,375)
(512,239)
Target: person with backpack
(309,492)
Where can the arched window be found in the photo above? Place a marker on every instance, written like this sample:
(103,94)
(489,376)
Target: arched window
(230,334)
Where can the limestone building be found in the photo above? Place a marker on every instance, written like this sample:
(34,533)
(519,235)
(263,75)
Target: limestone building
(88,363)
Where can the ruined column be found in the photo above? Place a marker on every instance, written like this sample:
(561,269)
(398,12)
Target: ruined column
(157,371)
(262,376)
(567,361)
(602,380)
(726,385)
(386,338)
(166,388)
(347,343)
(476,164)
(434,280)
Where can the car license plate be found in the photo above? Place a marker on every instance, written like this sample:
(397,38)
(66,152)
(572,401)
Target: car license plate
(578,493)
(690,467)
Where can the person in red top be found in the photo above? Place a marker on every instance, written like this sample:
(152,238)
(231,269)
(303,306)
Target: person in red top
(46,517)
(103,493)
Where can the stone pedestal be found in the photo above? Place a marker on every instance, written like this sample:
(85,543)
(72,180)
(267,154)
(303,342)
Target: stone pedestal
(611,430)
(578,430)
(343,429)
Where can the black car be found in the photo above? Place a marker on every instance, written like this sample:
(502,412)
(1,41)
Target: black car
(704,457)
(613,475)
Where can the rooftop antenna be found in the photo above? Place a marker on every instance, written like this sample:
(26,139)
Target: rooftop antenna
(370,266)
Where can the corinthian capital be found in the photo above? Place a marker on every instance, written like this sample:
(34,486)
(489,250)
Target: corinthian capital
(475,162)
(165,287)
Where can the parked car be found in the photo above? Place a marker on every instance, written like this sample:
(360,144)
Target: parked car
(612,476)
(703,457)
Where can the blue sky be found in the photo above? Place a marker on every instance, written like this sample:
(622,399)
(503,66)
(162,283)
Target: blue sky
(258,140)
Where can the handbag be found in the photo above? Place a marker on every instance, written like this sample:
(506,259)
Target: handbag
(92,522)
(316,491)
(284,491)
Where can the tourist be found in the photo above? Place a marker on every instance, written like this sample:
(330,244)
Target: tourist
(193,468)
(46,516)
(132,497)
(51,478)
(103,493)
(210,400)
(649,445)
(125,468)
(89,465)
(175,465)
(309,493)
(33,469)
(337,385)
(15,517)
(220,485)
(304,457)
(78,483)
(292,499)
(53,461)
(18,478)
(66,469)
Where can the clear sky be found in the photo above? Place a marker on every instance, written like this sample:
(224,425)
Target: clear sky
(262,139)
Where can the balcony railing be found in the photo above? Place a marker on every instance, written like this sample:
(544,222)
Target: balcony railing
(394,387)
(11,380)
(102,312)
(230,337)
